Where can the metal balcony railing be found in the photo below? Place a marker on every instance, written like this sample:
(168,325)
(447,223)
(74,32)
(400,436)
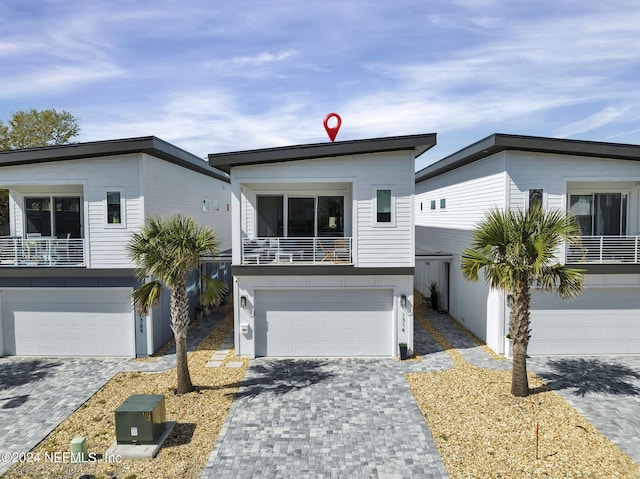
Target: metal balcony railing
(604,249)
(41,252)
(269,251)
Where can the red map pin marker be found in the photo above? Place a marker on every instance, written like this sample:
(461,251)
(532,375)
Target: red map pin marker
(332,131)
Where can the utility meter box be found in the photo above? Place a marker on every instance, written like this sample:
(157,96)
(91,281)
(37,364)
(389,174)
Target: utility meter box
(140,419)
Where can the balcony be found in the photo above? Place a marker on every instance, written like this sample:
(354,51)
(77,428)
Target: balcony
(41,252)
(604,250)
(303,251)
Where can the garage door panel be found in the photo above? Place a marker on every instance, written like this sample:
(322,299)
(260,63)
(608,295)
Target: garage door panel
(324,323)
(68,323)
(599,321)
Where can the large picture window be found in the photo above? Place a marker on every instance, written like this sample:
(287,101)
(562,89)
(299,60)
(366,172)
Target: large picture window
(305,216)
(600,214)
(62,221)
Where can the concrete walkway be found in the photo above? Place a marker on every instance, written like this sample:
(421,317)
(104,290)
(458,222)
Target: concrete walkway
(37,394)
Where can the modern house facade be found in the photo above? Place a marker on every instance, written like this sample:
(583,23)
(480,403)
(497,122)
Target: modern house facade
(323,246)
(599,183)
(65,276)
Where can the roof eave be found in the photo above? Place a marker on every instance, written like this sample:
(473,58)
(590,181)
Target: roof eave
(501,142)
(150,145)
(418,143)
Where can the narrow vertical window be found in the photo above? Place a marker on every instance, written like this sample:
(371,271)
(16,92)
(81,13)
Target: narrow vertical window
(535,198)
(433,204)
(443,203)
(114,208)
(383,206)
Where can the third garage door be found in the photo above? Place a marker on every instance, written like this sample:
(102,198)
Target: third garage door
(324,323)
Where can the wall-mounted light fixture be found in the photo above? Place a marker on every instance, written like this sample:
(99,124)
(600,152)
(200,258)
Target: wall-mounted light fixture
(243,302)
(403,301)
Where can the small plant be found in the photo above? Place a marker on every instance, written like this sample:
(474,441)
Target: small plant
(402,345)
(433,288)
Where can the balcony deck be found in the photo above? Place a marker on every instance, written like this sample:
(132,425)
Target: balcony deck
(296,251)
(604,250)
(18,252)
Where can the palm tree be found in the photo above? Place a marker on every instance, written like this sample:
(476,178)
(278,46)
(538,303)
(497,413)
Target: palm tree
(518,249)
(166,250)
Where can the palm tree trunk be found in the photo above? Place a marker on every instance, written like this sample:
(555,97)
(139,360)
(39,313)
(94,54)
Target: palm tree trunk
(520,331)
(179,304)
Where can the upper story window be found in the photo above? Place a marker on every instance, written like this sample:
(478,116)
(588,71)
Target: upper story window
(53,216)
(115,212)
(443,203)
(535,197)
(5,227)
(600,214)
(306,216)
(384,206)
(433,204)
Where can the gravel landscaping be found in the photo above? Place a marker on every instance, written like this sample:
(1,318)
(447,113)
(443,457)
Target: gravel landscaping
(479,428)
(482,431)
(199,418)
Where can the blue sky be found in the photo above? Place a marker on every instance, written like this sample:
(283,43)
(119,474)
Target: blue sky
(215,76)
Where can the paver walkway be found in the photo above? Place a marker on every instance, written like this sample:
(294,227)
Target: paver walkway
(37,394)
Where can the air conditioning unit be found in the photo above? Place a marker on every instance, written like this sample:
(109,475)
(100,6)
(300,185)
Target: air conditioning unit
(140,419)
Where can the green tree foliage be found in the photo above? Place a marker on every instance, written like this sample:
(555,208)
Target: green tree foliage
(36,128)
(517,250)
(4,212)
(167,250)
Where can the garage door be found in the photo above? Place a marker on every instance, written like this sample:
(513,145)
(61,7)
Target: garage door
(68,322)
(599,321)
(324,323)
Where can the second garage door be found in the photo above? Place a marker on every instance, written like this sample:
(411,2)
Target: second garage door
(324,323)
(599,321)
(41,322)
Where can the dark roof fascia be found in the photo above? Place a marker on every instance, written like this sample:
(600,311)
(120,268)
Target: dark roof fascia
(150,145)
(501,142)
(418,143)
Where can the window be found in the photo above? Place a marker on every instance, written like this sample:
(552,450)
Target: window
(383,206)
(443,203)
(305,216)
(433,204)
(535,197)
(115,208)
(600,214)
(270,216)
(330,216)
(62,221)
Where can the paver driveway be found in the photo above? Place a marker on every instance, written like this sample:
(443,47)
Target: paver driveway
(36,394)
(325,418)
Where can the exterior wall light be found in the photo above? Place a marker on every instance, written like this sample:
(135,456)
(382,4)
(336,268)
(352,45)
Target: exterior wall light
(403,301)
(243,302)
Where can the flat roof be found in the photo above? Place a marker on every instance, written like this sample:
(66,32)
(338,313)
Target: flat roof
(500,142)
(150,145)
(418,143)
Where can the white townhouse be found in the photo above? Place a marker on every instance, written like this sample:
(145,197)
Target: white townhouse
(597,182)
(65,277)
(323,246)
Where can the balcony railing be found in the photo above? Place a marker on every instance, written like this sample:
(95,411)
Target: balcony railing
(41,252)
(269,251)
(604,249)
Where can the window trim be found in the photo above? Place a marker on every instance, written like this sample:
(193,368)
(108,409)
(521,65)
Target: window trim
(384,224)
(123,208)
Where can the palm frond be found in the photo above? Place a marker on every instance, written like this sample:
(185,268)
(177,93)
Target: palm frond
(147,296)
(214,290)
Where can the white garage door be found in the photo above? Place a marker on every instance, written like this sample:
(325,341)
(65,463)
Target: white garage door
(41,322)
(599,321)
(324,323)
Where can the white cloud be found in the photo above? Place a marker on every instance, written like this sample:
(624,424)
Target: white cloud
(604,117)
(262,58)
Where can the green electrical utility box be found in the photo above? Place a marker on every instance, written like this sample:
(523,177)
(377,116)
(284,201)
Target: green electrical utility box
(140,419)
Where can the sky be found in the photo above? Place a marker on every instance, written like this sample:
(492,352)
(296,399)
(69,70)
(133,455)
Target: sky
(217,76)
